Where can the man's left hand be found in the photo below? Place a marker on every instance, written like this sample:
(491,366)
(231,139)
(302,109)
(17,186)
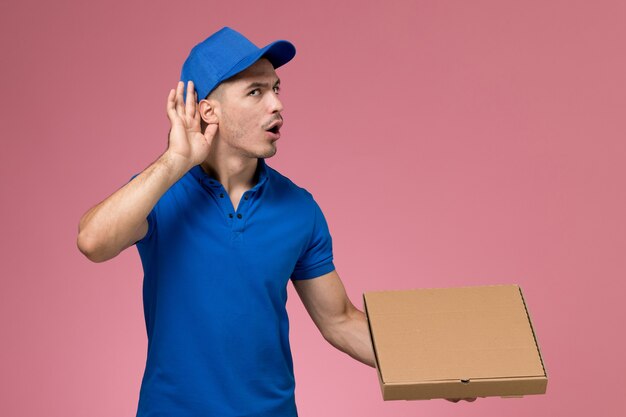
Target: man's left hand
(456,400)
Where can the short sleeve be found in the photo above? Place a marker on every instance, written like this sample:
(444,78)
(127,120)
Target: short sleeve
(317,258)
(151,221)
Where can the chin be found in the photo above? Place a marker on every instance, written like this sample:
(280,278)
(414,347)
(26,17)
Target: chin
(269,153)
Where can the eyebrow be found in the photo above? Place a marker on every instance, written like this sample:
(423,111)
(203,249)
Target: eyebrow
(257,84)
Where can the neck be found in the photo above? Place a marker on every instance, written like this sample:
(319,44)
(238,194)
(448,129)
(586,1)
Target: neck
(234,172)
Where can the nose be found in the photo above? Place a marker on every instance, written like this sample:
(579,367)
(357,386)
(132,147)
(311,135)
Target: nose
(276,104)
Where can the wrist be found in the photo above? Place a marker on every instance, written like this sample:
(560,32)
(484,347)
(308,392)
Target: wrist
(176,164)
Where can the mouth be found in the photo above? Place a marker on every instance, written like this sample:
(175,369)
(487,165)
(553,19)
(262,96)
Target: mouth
(275,135)
(274,129)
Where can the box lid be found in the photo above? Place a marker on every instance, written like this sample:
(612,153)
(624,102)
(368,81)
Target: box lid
(452,334)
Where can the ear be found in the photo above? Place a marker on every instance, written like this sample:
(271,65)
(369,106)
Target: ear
(209,111)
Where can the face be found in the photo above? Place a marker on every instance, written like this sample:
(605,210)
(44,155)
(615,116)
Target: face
(248,111)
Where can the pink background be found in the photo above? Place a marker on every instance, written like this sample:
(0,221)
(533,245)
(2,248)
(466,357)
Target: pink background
(449,143)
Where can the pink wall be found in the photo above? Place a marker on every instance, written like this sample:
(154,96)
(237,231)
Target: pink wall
(448,143)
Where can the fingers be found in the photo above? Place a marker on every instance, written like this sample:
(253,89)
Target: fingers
(179,99)
(170,107)
(175,106)
(190,106)
(196,116)
(456,400)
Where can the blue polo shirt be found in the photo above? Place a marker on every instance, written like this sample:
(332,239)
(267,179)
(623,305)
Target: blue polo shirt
(214,293)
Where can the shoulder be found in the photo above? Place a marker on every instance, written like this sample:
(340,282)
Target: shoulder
(283,185)
(181,193)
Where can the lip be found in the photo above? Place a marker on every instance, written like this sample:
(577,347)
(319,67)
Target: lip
(273,135)
(278,123)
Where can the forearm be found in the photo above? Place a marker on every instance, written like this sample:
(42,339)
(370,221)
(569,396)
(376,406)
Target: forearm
(107,228)
(352,336)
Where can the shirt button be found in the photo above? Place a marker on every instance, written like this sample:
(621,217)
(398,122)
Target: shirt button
(221,195)
(239,215)
(230,215)
(245,197)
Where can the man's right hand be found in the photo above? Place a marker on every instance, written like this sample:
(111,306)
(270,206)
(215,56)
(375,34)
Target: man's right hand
(186,139)
(121,219)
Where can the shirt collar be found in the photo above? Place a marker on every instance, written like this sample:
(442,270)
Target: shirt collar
(210,182)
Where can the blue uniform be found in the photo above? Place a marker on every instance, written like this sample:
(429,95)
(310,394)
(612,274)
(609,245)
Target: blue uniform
(214,293)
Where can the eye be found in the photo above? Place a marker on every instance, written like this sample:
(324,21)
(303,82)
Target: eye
(277,89)
(252,93)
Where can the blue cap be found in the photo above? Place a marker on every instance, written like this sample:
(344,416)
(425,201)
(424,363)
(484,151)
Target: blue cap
(226,53)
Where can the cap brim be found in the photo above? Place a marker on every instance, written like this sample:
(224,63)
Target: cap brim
(279,52)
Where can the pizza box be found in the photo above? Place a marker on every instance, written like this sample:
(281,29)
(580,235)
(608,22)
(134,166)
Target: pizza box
(454,343)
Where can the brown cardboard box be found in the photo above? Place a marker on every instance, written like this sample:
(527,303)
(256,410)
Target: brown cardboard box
(454,343)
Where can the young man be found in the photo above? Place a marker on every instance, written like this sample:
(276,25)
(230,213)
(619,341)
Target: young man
(220,234)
